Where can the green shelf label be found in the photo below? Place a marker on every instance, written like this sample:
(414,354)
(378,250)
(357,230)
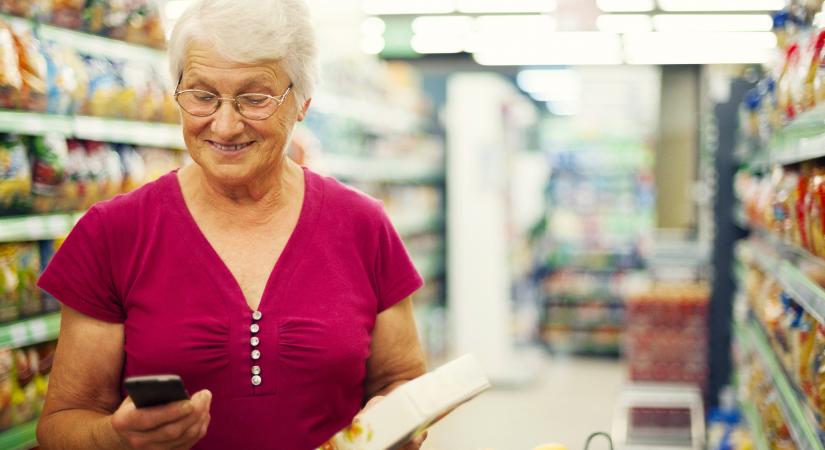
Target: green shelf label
(30,331)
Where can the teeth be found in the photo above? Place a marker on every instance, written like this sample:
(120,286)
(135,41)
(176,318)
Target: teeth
(229,148)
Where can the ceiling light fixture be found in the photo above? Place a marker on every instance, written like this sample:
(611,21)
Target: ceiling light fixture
(624,23)
(721,5)
(625,5)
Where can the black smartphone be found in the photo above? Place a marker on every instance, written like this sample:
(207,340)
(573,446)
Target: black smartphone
(154,390)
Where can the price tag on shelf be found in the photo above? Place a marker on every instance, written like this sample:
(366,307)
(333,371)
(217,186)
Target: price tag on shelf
(18,334)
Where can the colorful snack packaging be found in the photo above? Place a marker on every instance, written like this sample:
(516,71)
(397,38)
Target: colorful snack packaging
(15,176)
(50,156)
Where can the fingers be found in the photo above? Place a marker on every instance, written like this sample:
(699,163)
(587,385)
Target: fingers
(176,425)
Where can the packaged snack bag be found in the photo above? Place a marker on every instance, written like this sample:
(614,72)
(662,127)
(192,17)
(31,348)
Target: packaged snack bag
(6,384)
(67,81)
(815,206)
(133,167)
(33,70)
(9,283)
(11,80)
(68,13)
(799,236)
(74,189)
(15,176)
(28,269)
(804,349)
(104,88)
(50,156)
(786,84)
(813,80)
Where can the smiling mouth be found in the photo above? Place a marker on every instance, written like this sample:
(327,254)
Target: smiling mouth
(229,148)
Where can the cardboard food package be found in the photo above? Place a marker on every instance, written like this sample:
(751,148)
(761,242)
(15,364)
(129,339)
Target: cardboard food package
(412,407)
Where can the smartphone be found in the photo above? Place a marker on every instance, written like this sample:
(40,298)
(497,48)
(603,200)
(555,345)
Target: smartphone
(154,390)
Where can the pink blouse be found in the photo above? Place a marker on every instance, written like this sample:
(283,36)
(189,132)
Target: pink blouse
(141,260)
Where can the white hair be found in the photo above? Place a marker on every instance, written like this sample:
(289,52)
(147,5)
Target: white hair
(249,32)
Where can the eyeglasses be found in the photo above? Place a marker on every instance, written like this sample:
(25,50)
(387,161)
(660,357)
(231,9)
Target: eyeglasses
(252,106)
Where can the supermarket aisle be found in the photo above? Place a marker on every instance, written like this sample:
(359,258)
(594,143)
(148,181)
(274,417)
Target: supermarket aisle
(570,399)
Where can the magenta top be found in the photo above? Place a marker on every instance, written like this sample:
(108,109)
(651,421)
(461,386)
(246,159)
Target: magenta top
(141,260)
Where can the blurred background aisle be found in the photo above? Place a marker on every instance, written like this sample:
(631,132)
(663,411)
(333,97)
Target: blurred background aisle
(617,205)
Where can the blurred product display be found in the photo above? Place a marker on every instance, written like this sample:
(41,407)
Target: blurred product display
(600,215)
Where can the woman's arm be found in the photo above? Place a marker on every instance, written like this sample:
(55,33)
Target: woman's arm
(83,405)
(396,353)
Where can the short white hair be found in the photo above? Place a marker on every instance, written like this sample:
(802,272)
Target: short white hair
(250,32)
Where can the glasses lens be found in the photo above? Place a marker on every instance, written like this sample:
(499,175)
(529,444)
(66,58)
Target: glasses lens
(198,103)
(257,106)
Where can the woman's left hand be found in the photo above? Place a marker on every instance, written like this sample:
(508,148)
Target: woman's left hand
(415,443)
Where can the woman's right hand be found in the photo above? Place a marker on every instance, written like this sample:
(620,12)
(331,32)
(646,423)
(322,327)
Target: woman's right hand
(178,425)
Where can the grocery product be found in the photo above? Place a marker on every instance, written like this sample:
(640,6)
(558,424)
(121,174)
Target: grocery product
(50,156)
(19,269)
(15,175)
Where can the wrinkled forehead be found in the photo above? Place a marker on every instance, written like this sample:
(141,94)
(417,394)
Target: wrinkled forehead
(204,63)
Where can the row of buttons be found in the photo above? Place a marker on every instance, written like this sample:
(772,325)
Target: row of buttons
(256,354)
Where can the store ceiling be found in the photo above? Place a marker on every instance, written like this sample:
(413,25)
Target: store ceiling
(574,32)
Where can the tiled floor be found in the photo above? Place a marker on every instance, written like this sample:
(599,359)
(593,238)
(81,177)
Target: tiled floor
(570,399)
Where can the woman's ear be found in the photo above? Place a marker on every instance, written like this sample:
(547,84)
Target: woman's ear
(304,110)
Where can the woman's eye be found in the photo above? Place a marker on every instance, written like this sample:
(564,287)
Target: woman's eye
(205,97)
(255,100)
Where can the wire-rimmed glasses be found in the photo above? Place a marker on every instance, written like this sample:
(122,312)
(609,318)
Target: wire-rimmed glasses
(253,106)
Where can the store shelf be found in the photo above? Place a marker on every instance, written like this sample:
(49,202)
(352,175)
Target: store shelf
(799,419)
(30,331)
(807,293)
(21,437)
(165,135)
(94,128)
(801,140)
(382,118)
(37,228)
(755,425)
(386,170)
(412,223)
(90,44)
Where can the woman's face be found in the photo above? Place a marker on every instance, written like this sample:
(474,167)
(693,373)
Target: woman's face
(229,147)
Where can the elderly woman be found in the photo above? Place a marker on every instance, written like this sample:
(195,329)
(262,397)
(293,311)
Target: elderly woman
(281,297)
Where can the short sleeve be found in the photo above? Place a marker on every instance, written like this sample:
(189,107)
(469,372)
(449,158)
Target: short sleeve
(79,274)
(395,274)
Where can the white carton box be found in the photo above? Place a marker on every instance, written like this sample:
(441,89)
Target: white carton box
(412,407)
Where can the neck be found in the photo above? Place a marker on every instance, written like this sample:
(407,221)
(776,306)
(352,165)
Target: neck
(256,202)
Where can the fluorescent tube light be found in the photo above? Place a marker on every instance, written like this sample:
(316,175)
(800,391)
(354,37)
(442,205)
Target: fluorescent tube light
(699,47)
(625,5)
(713,22)
(392,7)
(441,34)
(558,48)
(431,25)
(506,6)
(721,5)
(624,23)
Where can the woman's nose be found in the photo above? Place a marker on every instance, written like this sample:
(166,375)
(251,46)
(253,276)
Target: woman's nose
(227,121)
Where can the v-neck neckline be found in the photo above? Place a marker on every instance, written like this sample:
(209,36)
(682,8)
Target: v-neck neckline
(285,260)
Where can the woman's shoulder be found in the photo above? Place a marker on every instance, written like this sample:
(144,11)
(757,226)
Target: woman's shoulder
(142,202)
(344,200)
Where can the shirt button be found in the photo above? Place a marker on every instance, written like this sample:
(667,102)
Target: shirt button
(256,380)
(255,328)
(255,341)
(256,354)
(256,370)
(257,315)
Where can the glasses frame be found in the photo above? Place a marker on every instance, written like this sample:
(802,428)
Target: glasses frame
(279,100)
